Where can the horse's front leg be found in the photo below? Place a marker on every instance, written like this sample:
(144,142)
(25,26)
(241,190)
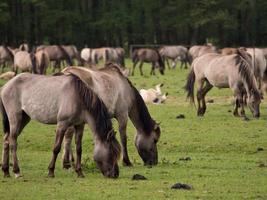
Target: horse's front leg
(67,153)
(122,129)
(168,64)
(61,129)
(78,140)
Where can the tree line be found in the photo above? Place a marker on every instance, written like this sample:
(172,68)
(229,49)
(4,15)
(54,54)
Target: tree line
(98,23)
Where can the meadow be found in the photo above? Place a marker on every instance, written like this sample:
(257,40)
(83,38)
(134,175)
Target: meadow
(228,155)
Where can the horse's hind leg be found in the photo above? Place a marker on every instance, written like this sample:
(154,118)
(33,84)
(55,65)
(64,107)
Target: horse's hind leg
(140,68)
(135,62)
(61,129)
(152,72)
(205,90)
(5,155)
(122,120)
(200,84)
(67,153)
(78,140)
(17,123)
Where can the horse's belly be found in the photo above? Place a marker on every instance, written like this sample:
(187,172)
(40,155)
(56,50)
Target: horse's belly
(219,81)
(44,112)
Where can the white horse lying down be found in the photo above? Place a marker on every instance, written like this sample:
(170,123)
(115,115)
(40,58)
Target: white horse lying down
(154,96)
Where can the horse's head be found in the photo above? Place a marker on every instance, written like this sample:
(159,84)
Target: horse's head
(254,100)
(106,155)
(147,145)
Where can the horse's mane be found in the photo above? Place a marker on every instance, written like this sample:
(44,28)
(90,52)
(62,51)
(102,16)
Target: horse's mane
(98,110)
(246,72)
(146,120)
(68,59)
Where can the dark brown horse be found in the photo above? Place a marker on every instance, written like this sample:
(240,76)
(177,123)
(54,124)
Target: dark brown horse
(6,56)
(148,56)
(63,100)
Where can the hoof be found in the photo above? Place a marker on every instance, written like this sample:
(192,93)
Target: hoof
(66,166)
(127,163)
(18,175)
(80,175)
(6,175)
(51,175)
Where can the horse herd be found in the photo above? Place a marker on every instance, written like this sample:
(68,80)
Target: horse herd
(80,95)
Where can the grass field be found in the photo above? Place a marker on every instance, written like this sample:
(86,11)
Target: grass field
(225,159)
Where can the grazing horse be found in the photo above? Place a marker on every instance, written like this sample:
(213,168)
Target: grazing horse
(174,53)
(6,55)
(62,100)
(259,65)
(199,50)
(56,53)
(264,51)
(230,71)
(122,101)
(149,56)
(107,54)
(73,53)
(42,61)
(25,61)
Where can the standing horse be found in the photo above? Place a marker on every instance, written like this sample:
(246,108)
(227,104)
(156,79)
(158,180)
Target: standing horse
(57,54)
(6,55)
(174,53)
(62,100)
(24,47)
(122,101)
(199,50)
(107,54)
(86,55)
(149,56)
(73,53)
(25,61)
(231,71)
(42,61)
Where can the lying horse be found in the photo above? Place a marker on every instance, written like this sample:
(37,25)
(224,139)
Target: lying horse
(230,71)
(63,100)
(153,95)
(122,101)
(149,56)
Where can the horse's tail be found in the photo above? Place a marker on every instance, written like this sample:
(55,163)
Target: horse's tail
(42,63)
(6,126)
(134,55)
(33,60)
(106,55)
(189,87)
(161,62)
(66,55)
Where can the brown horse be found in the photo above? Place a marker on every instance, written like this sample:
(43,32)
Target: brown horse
(230,71)
(149,56)
(6,56)
(73,53)
(62,100)
(42,61)
(25,61)
(122,101)
(57,54)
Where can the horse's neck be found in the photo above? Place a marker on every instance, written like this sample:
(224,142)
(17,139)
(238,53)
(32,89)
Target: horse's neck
(141,123)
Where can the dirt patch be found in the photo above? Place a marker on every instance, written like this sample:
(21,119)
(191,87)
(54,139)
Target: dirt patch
(260,149)
(185,159)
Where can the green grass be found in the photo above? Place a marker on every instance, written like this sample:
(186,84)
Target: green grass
(223,150)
